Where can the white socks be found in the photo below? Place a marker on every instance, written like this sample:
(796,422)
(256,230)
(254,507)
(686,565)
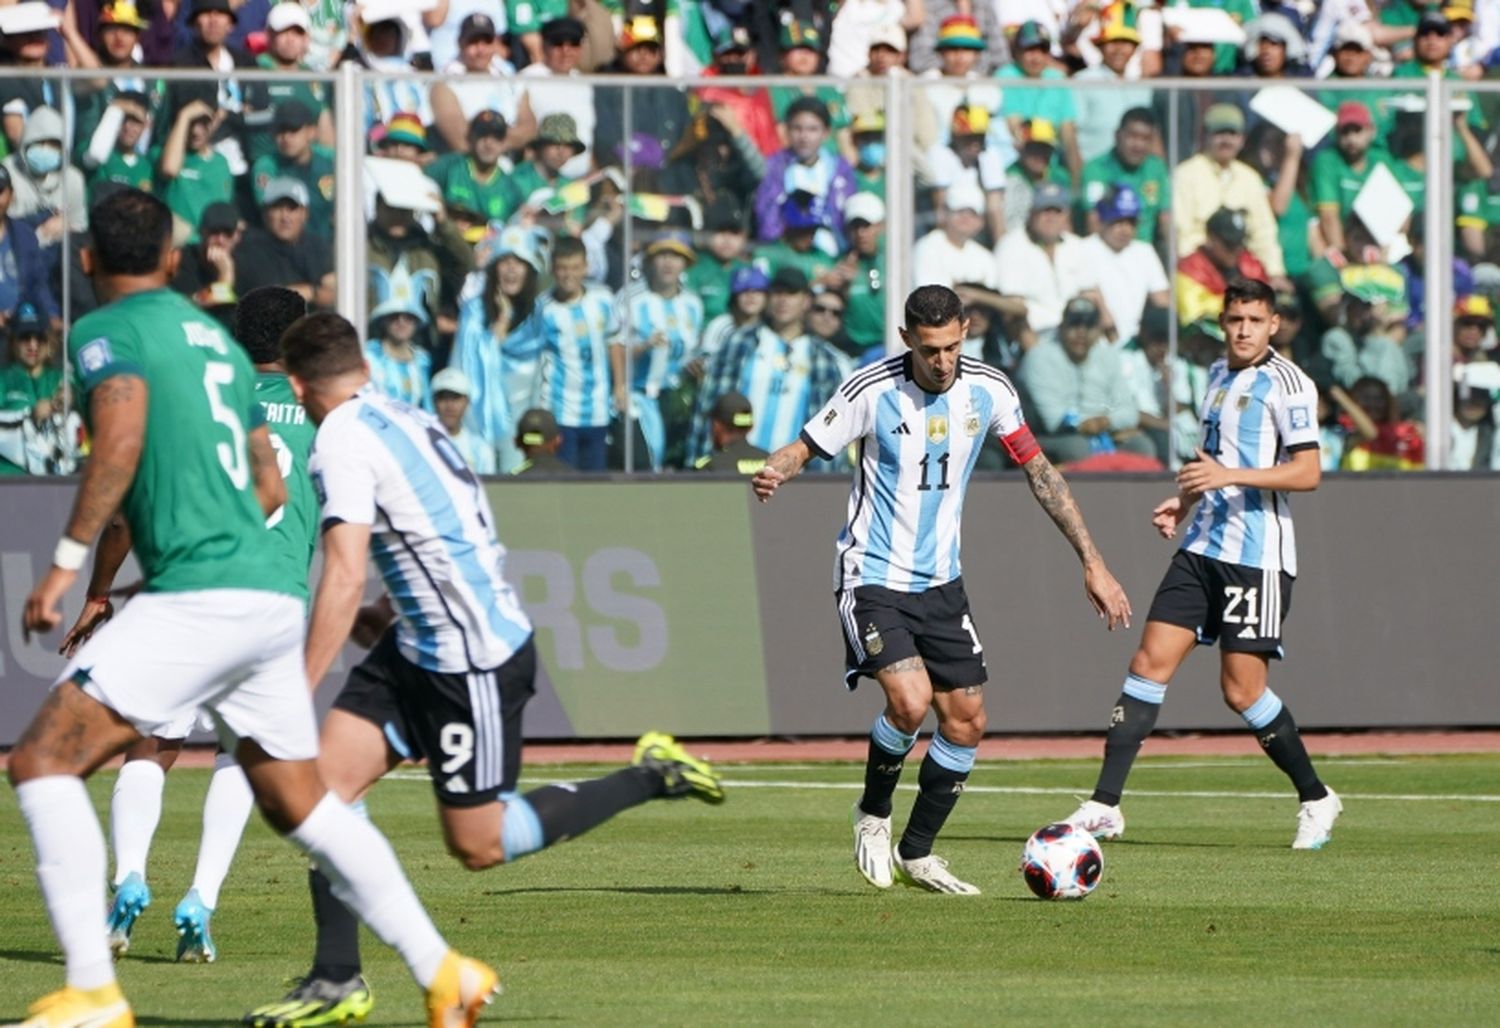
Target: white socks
(70,866)
(365,875)
(134,813)
(226,808)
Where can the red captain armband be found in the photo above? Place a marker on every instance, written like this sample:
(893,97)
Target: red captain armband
(1021,444)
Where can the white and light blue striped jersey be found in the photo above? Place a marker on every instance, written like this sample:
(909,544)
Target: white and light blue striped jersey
(916,453)
(575,356)
(778,384)
(1254,417)
(383,463)
(679,319)
(409,381)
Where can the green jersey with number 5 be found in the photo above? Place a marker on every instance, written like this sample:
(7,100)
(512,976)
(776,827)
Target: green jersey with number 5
(294,527)
(194,520)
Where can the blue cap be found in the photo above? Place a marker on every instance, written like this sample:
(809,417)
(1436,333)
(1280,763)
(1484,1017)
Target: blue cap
(748,278)
(28,321)
(1049,196)
(1119,204)
(797,214)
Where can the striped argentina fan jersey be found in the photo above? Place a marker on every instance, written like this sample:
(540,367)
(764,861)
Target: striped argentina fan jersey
(379,462)
(1254,417)
(916,452)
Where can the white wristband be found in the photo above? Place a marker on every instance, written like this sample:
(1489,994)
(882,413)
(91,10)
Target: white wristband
(70,554)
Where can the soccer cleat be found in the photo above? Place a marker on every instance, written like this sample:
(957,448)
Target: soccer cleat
(931,873)
(872,847)
(194,944)
(132,897)
(1100,820)
(316,1001)
(682,773)
(1315,821)
(463,987)
(104,1007)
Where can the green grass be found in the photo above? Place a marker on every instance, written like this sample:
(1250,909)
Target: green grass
(752,913)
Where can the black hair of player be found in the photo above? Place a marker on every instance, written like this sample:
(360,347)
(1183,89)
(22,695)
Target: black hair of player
(1249,290)
(568,246)
(128,232)
(1138,116)
(932,307)
(262,316)
(321,346)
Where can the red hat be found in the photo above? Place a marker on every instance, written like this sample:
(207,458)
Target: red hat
(1352,112)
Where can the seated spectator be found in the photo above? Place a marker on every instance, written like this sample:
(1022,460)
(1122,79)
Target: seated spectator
(1129,271)
(748,109)
(39,435)
(863,271)
(950,253)
(801,53)
(402,138)
(866,96)
(579,321)
(659,113)
(869,152)
(113,153)
(801,220)
(1364,273)
(946,20)
(1170,388)
(287,40)
(31,379)
(450,399)
(297,155)
(786,374)
(117,36)
(1360,347)
(1277,158)
(1204,275)
(1216,178)
(193,174)
(1100,111)
(967,159)
(1274,48)
(1398,444)
(23,55)
(1036,166)
(1341,49)
(1473,442)
(1130,163)
(400,366)
(805,166)
(283,251)
(748,292)
(47,191)
(480,80)
(210,24)
(858,23)
(206,270)
(23,274)
(1473,320)
(730,422)
(1339,172)
(538,440)
(825,321)
(386,45)
(475,182)
(1031,50)
(961,78)
(1340,419)
(554,86)
(722,254)
(555,145)
(1081,396)
(1470,49)
(1045,265)
(533,26)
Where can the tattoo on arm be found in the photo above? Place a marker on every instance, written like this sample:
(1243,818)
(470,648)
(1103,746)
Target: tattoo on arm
(790,459)
(118,406)
(1052,492)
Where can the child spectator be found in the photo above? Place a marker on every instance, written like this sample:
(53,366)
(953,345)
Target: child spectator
(400,366)
(747,302)
(578,320)
(450,397)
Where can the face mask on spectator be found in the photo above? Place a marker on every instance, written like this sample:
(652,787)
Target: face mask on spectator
(872,155)
(43,158)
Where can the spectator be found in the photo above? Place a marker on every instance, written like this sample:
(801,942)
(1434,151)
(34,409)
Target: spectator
(23,275)
(210,23)
(1204,274)
(1434,46)
(39,435)
(1031,49)
(960,78)
(825,321)
(1339,172)
(1082,398)
(967,159)
(480,80)
(450,398)
(805,166)
(556,143)
(1277,157)
(298,156)
(287,42)
(1364,273)
(1034,168)
(858,23)
(1130,163)
(1169,388)
(194,174)
(863,269)
(869,152)
(579,321)
(402,256)
(48,191)
(475,182)
(118,31)
(657,112)
(24,49)
(802,54)
(1398,444)
(113,153)
(1360,346)
(562,42)
(950,254)
(386,45)
(1473,319)
(786,374)
(979,24)
(748,292)
(206,269)
(1192,58)
(283,251)
(801,220)
(866,96)
(715,160)
(722,255)
(1129,271)
(400,366)
(1473,442)
(1101,111)
(1353,47)
(402,138)
(730,422)
(1045,265)
(1216,178)
(749,110)
(538,440)
(31,380)
(1275,48)
(529,23)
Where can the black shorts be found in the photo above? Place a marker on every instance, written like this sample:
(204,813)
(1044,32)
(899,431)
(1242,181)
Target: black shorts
(1242,608)
(882,626)
(466,726)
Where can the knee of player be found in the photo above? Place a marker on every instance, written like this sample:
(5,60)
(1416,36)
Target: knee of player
(967,730)
(906,714)
(1239,695)
(279,816)
(23,766)
(1147,665)
(476,857)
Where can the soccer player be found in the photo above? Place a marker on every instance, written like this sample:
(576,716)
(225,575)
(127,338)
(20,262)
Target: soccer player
(180,447)
(455,662)
(135,807)
(920,419)
(1231,578)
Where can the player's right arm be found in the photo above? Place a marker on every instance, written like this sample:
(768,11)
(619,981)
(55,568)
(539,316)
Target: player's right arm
(843,419)
(113,548)
(786,463)
(346,553)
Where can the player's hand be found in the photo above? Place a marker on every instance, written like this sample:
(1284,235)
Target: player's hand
(766,481)
(41,613)
(1107,595)
(95,612)
(1167,515)
(1203,475)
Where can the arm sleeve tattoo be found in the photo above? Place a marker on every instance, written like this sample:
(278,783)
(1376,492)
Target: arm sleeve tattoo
(1052,493)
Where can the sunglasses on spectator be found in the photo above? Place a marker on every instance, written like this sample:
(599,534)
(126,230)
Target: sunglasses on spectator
(823,308)
(1432,31)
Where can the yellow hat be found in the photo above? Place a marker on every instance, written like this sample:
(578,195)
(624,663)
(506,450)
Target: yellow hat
(1474,306)
(970,120)
(1040,130)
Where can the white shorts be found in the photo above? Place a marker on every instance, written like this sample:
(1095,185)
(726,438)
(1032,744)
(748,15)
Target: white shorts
(236,653)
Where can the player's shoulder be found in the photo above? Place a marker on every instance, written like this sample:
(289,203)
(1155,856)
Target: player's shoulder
(990,379)
(1286,376)
(875,378)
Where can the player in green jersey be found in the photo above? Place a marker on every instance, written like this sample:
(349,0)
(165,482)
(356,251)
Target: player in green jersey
(182,451)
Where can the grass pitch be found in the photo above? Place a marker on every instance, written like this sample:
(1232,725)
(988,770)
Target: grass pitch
(752,913)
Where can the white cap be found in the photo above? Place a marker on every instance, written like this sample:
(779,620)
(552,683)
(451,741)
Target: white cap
(451,380)
(962,196)
(1354,32)
(893,36)
(864,207)
(290,15)
(33,16)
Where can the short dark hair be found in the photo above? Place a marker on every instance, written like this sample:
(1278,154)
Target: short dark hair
(1249,290)
(321,346)
(568,246)
(808,105)
(1138,115)
(932,307)
(260,318)
(129,232)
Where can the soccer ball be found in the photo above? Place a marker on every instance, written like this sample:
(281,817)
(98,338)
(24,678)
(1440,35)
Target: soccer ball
(1061,861)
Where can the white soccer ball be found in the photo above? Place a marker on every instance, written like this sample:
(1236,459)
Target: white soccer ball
(1061,861)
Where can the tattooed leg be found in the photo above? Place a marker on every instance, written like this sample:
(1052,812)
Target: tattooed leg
(73,734)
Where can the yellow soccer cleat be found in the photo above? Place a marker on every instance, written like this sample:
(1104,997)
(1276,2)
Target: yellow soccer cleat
(682,773)
(104,1007)
(463,987)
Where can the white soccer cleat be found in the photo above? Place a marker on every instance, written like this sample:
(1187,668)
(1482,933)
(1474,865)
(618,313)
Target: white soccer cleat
(1315,821)
(872,847)
(1100,820)
(931,873)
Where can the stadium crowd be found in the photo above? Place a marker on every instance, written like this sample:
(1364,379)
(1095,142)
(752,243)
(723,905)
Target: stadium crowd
(1078,224)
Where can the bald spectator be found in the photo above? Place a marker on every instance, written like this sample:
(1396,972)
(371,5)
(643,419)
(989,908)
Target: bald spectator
(1216,178)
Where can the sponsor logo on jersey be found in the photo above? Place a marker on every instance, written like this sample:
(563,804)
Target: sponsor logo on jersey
(94,355)
(1301,417)
(901,429)
(937,428)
